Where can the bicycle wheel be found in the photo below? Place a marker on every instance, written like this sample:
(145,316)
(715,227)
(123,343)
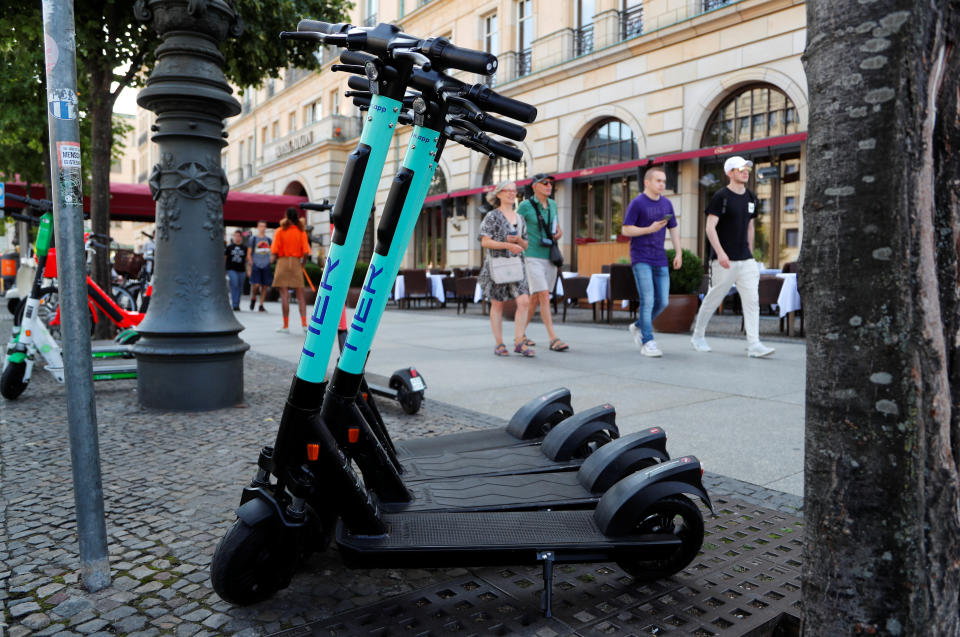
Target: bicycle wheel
(123,298)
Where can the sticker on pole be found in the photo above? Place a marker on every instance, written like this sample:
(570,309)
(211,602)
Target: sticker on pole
(3,195)
(70,180)
(63,103)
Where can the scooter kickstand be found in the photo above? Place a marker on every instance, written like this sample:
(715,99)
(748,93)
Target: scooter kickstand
(546,603)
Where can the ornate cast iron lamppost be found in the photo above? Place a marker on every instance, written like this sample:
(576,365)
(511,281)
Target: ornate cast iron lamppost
(189,356)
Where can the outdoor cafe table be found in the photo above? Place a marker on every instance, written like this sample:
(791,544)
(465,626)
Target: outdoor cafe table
(436,287)
(789,300)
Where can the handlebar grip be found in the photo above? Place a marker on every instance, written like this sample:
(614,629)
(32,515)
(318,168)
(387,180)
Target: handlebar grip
(356,58)
(502,127)
(444,54)
(509,152)
(323,27)
(307,36)
(357,83)
(306,205)
(493,101)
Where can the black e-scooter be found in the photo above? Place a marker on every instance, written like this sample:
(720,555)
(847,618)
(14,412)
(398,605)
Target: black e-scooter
(642,522)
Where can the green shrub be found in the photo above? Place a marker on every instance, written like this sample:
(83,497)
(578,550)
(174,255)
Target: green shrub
(359,274)
(314,271)
(687,279)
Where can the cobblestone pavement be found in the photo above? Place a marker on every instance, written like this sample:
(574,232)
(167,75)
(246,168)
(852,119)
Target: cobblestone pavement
(171,482)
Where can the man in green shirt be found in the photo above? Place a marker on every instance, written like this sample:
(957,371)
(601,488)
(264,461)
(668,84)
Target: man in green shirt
(542,231)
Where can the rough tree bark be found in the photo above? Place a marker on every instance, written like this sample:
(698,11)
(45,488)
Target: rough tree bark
(879,279)
(100,103)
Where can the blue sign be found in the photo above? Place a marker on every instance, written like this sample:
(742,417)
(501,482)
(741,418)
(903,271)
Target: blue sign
(2,195)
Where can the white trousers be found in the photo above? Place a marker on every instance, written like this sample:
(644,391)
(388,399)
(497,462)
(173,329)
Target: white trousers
(746,276)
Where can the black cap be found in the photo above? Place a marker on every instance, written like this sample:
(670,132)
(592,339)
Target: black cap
(542,177)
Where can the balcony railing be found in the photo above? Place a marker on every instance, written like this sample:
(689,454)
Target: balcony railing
(583,40)
(142,139)
(709,5)
(631,22)
(524,62)
(334,128)
(370,21)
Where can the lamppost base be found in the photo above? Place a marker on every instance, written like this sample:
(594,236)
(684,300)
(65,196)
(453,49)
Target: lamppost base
(173,374)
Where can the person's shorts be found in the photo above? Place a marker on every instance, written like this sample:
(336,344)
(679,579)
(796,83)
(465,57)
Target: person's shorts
(541,275)
(260,276)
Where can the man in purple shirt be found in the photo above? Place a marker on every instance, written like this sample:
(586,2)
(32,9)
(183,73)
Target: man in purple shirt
(647,217)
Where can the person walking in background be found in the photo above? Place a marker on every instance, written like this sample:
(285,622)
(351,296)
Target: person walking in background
(289,250)
(730,230)
(504,234)
(648,216)
(258,258)
(236,257)
(543,228)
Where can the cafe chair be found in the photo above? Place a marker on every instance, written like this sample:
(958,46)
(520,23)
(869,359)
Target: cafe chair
(622,287)
(463,290)
(574,289)
(416,286)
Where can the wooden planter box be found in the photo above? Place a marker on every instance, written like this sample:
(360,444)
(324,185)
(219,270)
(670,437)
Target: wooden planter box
(678,316)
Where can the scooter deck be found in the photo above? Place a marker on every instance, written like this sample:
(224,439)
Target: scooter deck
(455,443)
(494,538)
(497,493)
(115,366)
(485,462)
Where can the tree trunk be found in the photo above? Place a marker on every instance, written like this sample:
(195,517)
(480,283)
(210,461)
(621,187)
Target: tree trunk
(101,142)
(879,280)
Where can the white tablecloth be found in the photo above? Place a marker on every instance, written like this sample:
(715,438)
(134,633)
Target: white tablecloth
(436,287)
(597,288)
(789,299)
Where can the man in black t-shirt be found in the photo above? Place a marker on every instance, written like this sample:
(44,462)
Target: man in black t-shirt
(730,229)
(236,261)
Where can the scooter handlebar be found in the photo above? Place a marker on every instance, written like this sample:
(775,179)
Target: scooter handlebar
(501,127)
(493,101)
(508,152)
(323,27)
(306,205)
(446,55)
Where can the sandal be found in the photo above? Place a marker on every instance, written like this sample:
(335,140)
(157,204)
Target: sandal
(556,345)
(528,342)
(524,350)
(501,350)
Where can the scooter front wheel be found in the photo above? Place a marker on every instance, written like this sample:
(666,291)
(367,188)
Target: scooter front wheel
(678,516)
(252,563)
(11,381)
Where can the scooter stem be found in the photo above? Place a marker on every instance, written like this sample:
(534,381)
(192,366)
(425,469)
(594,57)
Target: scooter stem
(350,213)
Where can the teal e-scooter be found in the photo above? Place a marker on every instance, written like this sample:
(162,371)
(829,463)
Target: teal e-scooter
(306,481)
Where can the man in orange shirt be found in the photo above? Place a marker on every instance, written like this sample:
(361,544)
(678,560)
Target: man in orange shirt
(289,250)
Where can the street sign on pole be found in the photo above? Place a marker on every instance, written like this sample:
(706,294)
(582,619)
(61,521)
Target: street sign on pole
(59,36)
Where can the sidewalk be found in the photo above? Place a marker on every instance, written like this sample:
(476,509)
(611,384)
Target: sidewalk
(171,483)
(742,417)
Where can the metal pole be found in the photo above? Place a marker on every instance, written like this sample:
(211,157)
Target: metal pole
(60,52)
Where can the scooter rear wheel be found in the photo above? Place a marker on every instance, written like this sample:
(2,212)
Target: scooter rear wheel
(252,563)
(679,516)
(409,401)
(592,443)
(11,381)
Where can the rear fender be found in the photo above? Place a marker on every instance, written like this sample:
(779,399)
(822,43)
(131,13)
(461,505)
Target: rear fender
(540,414)
(404,378)
(626,503)
(618,459)
(565,438)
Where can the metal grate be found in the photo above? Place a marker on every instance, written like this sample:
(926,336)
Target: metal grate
(583,40)
(746,580)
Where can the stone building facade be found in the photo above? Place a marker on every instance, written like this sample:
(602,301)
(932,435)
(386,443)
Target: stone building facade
(618,84)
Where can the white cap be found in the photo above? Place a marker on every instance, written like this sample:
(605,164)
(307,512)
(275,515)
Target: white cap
(736,163)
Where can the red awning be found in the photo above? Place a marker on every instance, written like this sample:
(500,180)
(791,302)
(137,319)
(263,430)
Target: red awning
(732,148)
(132,202)
(600,170)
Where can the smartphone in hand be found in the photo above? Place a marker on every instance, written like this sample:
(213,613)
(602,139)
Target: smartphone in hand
(667,217)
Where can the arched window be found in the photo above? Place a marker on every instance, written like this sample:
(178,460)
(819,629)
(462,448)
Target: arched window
(609,142)
(499,169)
(755,112)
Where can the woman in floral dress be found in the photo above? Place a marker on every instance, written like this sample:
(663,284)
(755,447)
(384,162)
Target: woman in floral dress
(504,234)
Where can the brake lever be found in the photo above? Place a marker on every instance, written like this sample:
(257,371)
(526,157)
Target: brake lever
(464,103)
(416,58)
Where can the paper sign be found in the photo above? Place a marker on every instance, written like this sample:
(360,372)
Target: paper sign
(69,154)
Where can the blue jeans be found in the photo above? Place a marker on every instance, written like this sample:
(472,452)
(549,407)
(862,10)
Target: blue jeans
(236,285)
(653,286)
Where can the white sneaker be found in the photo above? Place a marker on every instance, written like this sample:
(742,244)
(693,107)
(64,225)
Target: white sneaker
(700,344)
(650,349)
(283,330)
(759,350)
(635,332)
